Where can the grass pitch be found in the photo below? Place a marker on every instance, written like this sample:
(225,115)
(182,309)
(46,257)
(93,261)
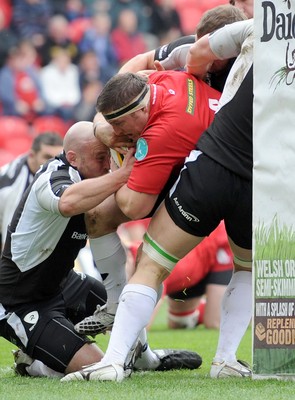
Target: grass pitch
(172,385)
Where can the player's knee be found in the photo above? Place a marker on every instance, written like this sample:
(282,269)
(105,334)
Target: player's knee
(158,254)
(88,354)
(185,320)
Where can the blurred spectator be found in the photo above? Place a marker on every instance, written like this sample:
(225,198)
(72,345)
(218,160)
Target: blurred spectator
(30,19)
(8,39)
(127,39)
(141,8)
(57,35)
(165,21)
(75,9)
(90,85)
(97,6)
(57,7)
(97,38)
(77,28)
(190,12)
(29,54)
(16,176)
(89,68)
(60,84)
(20,87)
(85,110)
(6,11)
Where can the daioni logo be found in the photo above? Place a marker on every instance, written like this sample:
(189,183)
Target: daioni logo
(280,26)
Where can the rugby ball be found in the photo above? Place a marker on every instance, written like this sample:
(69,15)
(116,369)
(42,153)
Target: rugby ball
(117,158)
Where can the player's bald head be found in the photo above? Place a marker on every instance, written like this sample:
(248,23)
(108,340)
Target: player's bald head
(78,135)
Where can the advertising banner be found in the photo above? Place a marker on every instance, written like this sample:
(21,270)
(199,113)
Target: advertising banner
(274,190)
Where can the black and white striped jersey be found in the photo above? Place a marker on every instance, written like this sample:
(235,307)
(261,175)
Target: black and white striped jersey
(41,244)
(15,177)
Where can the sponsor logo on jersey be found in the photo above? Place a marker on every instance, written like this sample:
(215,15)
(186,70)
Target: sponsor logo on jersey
(191,93)
(213,104)
(141,149)
(188,216)
(223,257)
(79,236)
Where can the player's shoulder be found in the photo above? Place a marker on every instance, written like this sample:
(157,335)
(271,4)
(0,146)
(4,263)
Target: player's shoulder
(158,77)
(12,170)
(164,51)
(226,42)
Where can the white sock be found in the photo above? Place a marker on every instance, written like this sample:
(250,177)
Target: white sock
(110,258)
(37,368)
(86,264)
(148,359)
(136,306)
(236,313)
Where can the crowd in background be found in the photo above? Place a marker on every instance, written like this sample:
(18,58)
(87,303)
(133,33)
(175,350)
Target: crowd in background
(55,56)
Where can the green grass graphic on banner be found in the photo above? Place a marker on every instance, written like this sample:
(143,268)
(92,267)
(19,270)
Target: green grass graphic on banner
(274,295)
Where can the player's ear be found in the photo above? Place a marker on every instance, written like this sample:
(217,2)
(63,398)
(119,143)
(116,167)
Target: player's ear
(31,153)
(146,109)
(32,160)
(71,157)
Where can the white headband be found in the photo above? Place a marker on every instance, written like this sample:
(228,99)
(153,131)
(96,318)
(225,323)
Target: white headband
(139,102)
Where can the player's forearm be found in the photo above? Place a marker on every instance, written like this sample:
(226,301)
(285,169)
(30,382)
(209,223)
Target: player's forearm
(87,194)
(138,63)
(223,44)
(200,57)
(135,205)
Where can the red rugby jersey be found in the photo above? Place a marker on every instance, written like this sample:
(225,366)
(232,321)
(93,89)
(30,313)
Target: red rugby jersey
(181,108)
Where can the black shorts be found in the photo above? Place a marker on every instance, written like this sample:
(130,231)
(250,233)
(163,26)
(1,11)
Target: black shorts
(207,193)
(199,289)
(45,330)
